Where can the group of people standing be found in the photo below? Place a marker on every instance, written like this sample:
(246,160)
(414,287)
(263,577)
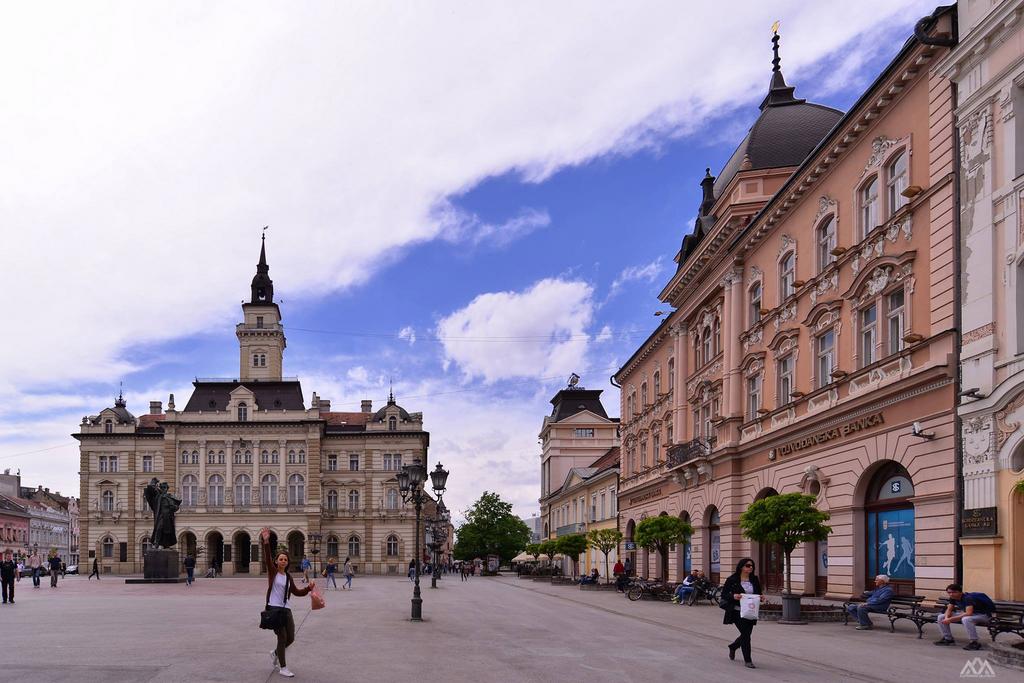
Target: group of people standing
(11,571)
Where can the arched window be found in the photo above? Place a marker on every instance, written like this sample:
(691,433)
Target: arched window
(891,541)
(220,457)
(243,489)
(332,500)
(868,206)
(296,490)
(238,457)
(215,492)
(108,426)
(189,490)
(291,457)
(705,346)
(716,336)
(671,374)
(657,384)
(643,395)
(755,303)
(392,499)
(211,458)
(108,548)
(302,457)
(269,489)
(787,275)
(353,500)
(184,457)
(263,360)
(353,546)
(108,500)
(332,546)
(392,423)
(265,457)
(274,458)
(896,173)
(195,457)
(248,458)
(243,412)
(392,546)
(255,360)
(826,242)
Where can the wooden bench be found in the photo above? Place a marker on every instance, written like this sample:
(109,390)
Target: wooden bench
(853,601)
(1009,618)
(900,607)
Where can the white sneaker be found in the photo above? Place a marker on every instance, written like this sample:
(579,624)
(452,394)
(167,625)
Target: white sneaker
(273,658)
(286,673)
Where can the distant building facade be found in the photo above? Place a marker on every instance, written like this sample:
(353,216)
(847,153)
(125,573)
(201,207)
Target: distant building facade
(988,69)
(246,453)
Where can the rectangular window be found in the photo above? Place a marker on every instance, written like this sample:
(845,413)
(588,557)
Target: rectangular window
(869,207)
(753,396)
(897,172)
(787,276)
(113,463)
(826,243)
(897,327)
(332,462)
(603,504)
(147,463)
(103,463)
(643,453)
(785,372)
(387,461)
(259,322)
(584,433)
(668,434)
(614,503)
(353,462)
(696,424)
(671,374)
(868,334)
(397,460)
(656,447)
(825,358)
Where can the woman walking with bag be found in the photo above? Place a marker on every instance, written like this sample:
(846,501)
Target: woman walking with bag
(347,571)
(329,571)
(741,582)
(279,587)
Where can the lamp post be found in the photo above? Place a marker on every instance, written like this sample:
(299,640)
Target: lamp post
(410,484)
(314,540)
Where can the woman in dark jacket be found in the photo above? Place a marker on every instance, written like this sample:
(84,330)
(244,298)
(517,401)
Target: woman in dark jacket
(741,581)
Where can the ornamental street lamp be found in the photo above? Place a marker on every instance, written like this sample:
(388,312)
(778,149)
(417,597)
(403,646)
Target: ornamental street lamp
(410,484)
(314,539)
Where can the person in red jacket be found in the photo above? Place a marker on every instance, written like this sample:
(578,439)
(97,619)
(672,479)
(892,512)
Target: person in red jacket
(280,587)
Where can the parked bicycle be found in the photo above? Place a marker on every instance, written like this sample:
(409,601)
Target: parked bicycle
(657,590)
(704,591)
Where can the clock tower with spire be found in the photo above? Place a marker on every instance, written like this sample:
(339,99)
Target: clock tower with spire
(261,340)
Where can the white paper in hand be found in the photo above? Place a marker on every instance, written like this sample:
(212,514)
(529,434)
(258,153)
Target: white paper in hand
(749,606)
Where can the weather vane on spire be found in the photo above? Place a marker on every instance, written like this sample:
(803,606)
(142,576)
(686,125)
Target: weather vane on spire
(775,27)
(265,228)
(776,61)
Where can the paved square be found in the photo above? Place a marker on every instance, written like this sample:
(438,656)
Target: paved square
(493,629)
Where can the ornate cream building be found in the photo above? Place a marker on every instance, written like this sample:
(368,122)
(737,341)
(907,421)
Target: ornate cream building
(246,452)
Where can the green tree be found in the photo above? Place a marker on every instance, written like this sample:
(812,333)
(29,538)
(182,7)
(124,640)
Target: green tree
(573,545)
(549,548)
(490,529)
(788,520)
(533,549)
(605,540)
(658,533)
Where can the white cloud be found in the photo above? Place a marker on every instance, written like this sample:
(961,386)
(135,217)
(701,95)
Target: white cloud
(458,225)
(154,141)
(539,332)
(604,335)
(644,273)
(408,334)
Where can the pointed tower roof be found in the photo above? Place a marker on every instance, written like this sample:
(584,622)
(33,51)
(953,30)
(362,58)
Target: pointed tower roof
(262,286)
(779,93)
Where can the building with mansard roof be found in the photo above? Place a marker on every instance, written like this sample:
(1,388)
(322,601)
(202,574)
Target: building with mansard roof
(248,452)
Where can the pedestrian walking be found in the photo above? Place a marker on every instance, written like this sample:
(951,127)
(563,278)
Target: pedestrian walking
(347,571)
(95,569)
(54,562)
(329,571)
(464,571)
(190,570)
(412,570)
(742,582)
(8,573)
(280,587)
(305,566)
(35,564)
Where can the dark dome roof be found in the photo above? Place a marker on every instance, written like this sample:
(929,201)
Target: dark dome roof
(379,415)
(783,135)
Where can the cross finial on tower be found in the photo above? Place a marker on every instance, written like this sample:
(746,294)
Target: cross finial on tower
(391,391)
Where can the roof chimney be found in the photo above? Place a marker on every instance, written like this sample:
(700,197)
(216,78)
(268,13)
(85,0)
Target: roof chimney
(156,407)
(325,405)
(367,406)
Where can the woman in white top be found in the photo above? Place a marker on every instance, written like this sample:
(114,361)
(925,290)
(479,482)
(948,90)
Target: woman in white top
(742,581)
(280,587)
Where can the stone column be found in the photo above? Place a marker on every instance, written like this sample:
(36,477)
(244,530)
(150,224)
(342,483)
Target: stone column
(680,405)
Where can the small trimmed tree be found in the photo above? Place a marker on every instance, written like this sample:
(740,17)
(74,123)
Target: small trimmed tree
(787,520)
(573,546)
(658,533)
(533,549)
(605,540)
(549,548)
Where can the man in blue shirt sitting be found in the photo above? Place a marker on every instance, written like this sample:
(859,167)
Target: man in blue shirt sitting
(878,601)
(684,589)
(970,609)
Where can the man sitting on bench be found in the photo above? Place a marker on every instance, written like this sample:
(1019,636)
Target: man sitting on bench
(878,601)
(970,609)
(684,589)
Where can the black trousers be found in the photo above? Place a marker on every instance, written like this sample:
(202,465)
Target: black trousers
(745,627)
(285,636)
(8,588)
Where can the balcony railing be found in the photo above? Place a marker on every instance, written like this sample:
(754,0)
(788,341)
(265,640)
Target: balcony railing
(566,529)
(688,451)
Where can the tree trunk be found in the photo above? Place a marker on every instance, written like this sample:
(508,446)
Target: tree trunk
(606,567)
(789,572)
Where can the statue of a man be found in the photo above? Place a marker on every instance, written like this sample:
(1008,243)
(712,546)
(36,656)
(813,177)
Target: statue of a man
(163,505)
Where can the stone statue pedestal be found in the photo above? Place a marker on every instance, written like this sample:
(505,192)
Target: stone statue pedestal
(160,565)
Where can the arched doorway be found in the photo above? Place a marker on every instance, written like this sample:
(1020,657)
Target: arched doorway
(712,539)
(187,544)
(889,526)
(241,551)
(215,550)
(770,559)
(630,545)
(296,548)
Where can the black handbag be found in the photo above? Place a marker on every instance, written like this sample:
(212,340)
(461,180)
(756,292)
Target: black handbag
(272,618)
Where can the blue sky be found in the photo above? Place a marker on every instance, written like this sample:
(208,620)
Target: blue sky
(522,205)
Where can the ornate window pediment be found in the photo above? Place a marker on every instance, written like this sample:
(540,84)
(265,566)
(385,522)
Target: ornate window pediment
(785,341)
(885,271)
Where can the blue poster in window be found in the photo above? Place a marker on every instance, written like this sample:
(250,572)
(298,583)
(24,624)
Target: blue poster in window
(891,543)
(687,558)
